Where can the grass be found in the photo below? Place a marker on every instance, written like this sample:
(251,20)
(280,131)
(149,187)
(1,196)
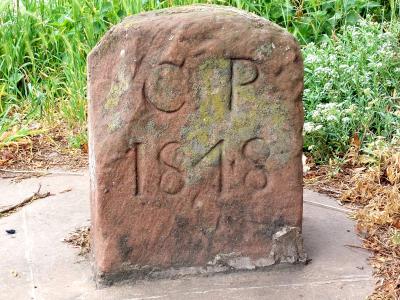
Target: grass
(45,44)
(351,97)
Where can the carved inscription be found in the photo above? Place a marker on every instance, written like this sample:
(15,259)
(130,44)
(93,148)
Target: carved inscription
(171,181)
(137,150)
(217,147)
(244,72)
(163,90)
(255,151)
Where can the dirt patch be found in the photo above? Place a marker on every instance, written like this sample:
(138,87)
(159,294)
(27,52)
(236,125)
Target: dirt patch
(44,151)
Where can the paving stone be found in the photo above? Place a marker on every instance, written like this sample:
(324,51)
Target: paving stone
(37,255)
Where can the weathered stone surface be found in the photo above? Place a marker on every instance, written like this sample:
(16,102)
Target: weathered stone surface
(195,120)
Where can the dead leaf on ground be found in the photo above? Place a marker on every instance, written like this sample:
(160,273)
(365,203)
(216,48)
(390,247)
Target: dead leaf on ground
(80,239)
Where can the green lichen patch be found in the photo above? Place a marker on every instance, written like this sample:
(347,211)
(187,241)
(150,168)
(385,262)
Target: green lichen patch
(265,50)
(207,125)
(119,87)
(112,99)
(232,113)
(116,123)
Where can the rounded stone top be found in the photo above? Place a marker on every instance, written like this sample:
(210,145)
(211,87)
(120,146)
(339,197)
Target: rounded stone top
(210,10)
(198,22)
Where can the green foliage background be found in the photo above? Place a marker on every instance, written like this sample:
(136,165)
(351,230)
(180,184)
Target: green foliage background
(44,45)
(352,88)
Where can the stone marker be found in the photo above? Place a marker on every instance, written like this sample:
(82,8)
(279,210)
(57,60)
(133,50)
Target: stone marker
(195,127)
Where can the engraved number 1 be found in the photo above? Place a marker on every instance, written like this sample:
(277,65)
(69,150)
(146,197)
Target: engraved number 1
(137,148)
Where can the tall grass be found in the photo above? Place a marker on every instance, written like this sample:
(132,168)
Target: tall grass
(44,44)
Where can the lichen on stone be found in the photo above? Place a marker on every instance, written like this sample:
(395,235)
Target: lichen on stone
(119,86)
(116,123)
(264,50)
(230,112)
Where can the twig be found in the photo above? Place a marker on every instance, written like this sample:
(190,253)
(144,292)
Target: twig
(355,246)
(42,172)
(66,191)
(325,189)
(328,206)
(36,195)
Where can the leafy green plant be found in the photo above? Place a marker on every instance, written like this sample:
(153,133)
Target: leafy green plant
(44,45)
(78,140)
(351,87)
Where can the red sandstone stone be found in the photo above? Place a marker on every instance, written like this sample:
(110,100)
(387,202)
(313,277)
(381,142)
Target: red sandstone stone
(195,127)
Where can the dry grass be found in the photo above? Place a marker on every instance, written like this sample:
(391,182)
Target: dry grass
(80,239)
(376,186)
(370,179)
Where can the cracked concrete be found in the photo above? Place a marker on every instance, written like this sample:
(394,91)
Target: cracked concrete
(36,264)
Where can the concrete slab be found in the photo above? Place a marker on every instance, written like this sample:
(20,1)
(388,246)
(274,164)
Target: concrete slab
(36,264)
(12,196)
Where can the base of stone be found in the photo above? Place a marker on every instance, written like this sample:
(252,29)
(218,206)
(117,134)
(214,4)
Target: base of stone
(287,248)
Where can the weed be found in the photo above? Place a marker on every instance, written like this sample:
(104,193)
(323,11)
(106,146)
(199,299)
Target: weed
(45,44)
(351,88)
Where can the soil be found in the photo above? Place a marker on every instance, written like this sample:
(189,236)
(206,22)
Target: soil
(42,152)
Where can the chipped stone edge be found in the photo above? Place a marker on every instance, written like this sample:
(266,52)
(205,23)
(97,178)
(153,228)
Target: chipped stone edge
(287,247)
